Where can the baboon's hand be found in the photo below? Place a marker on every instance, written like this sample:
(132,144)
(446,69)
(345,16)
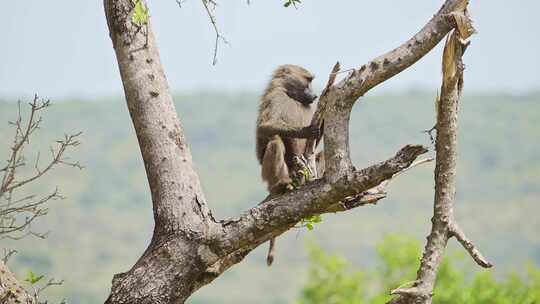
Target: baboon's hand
(311,132)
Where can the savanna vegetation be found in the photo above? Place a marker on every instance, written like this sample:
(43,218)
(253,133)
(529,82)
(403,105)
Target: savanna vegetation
(331,278)
(110,197)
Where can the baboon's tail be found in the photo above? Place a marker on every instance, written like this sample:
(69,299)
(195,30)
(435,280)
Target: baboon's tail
(271,251)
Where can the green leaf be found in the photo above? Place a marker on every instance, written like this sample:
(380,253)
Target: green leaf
(140,13)
(306,174)
(293,2)
(32,278)
(309,222)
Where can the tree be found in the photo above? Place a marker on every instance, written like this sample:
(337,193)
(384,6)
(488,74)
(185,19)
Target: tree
(190,248)
(19,211)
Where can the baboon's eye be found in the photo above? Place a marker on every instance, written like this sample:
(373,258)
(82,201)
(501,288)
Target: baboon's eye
(310,78)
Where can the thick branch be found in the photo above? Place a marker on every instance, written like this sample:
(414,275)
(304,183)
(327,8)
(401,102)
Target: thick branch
(386,66)
(277,215)
(338,100)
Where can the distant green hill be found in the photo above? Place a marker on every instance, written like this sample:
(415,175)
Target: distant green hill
(106,222)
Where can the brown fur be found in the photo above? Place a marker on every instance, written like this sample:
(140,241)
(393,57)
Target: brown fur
(280,112)
(282,128)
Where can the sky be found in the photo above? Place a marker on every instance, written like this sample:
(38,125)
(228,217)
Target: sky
(61,48)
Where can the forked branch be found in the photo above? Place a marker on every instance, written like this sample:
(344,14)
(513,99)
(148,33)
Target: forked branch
(278,215)
(338,99)
(444,224)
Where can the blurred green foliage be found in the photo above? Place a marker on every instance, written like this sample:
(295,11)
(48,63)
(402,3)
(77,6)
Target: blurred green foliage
(106,221)
(333,280)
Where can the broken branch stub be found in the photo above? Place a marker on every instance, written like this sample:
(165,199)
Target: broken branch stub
(444,225)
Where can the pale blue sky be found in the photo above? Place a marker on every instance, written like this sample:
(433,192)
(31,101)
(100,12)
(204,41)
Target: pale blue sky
(60,48)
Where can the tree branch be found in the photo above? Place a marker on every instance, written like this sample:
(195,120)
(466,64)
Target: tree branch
(388,65)
(456,232)
(212,17)
(318,118)
(17,214)
(444,225)
(338,99)
(277,215)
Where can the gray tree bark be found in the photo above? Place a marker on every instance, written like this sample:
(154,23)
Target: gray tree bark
(444,226)
(189,248)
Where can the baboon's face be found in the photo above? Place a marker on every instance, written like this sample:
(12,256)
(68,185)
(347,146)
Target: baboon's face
(297,83)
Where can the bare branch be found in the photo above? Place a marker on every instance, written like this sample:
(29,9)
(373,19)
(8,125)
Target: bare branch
(354,201)
(38,290)
(456,231)
(416,163)
(277,215)
(373,195)
(386,66)
(342,96)
(210,12)
(7,254)
(18,214)
(68,141)
(317,120)
(444,225)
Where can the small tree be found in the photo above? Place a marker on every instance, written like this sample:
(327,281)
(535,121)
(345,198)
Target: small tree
(19,209)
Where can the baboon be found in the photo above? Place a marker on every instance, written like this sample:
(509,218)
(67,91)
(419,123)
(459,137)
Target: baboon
(283,127)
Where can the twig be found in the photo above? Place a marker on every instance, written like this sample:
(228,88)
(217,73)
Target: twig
(214,25)
(331,78)
(7,254)
(430,133)
(416,163)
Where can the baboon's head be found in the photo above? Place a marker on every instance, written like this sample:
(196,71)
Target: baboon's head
(297,83)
